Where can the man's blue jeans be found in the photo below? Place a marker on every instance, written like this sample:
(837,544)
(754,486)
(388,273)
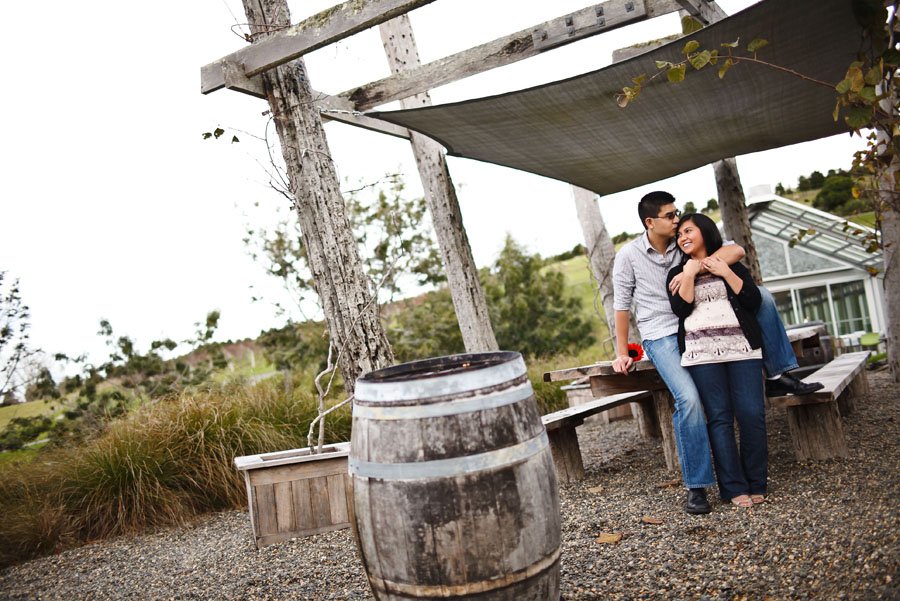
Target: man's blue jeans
(688,420)
(778,355)
(735,390)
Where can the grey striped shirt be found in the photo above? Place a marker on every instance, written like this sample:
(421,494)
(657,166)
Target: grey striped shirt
(639,275)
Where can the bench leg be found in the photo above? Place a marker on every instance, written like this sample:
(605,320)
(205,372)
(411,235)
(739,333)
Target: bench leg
(858,389)
(566,454)
(665,407)
(816,431)
(645,414)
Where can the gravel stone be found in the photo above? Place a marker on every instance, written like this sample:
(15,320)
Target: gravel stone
(829,530)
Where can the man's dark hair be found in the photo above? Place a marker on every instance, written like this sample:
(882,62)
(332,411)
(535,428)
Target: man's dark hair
(651,204)
(712,239)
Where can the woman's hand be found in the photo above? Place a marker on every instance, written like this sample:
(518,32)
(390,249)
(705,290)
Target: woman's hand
(691,268)
(716,266)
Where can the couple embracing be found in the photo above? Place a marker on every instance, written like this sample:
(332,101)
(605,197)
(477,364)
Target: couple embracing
(709,331)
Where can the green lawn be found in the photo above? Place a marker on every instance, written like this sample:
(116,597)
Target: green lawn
(27,410)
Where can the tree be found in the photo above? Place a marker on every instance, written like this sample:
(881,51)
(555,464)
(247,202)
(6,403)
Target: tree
(529,307)
(391,229)
(836,196)
(689,207)
(711,205)
(803,184)
(816,180)
(15,349)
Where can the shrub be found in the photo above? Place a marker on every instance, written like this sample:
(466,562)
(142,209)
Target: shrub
(163,465)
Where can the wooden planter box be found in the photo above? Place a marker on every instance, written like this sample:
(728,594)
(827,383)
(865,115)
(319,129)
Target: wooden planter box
(295,493)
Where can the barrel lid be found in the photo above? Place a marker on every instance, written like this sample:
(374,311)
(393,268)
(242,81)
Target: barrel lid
(440,376)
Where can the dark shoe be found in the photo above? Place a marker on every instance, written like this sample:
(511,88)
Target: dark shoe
(788,384)
(696,501)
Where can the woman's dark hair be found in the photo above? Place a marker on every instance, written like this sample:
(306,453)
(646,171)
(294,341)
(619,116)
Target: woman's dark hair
(712,239)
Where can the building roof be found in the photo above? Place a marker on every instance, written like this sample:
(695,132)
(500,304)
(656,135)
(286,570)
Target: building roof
(828,235)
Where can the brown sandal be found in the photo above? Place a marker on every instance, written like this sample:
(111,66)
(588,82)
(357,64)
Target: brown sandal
(742,501)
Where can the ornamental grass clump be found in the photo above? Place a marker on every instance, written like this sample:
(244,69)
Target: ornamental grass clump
(162,465)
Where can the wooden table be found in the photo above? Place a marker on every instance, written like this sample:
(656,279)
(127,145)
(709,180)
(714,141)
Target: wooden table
(654,419)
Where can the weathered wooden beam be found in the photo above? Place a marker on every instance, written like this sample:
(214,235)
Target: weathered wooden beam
(333,108)
(566,29)
(707,12)
(287,43)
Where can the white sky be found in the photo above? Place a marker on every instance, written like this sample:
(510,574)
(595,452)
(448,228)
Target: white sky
(113,206)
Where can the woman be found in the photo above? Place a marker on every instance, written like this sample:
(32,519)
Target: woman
(720,343)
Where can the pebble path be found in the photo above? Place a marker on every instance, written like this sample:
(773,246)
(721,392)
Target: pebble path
(829,530)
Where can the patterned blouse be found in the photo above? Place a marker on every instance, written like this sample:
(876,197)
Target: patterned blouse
(712,331)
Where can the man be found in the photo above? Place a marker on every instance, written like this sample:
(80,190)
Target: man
(639,275)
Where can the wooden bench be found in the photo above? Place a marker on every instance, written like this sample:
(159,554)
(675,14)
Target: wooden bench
(564,439)
(804,338)
(815,419)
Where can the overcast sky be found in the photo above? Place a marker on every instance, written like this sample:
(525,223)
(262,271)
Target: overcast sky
(114,206)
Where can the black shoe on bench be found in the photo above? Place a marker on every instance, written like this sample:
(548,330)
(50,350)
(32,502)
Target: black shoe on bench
(788,384)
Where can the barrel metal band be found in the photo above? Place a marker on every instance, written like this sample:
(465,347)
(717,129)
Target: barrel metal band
(448,384)
(456,466)
(458,590)
(456,407)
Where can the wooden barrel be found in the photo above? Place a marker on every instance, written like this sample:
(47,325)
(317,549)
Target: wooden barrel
(453,486)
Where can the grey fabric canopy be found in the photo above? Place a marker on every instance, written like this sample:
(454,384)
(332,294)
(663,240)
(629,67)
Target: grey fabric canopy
(574,131)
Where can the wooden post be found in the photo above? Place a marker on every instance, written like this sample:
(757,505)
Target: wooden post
(440,195)
(350,310)
(601,254)
(665,407)
(816,431)
(734,213)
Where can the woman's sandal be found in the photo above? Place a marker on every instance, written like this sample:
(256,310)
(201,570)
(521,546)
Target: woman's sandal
(757,499)
(742,501)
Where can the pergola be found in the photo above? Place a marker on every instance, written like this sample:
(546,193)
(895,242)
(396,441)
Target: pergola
(571,130)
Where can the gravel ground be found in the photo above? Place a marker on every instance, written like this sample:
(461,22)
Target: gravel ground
(828,531)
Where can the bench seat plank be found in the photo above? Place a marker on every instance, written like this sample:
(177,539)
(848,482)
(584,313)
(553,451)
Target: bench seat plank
(576,415)
(603,368)
(835,376)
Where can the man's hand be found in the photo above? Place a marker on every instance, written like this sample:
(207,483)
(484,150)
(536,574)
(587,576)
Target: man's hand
(716,266)
(622,364)
(675,284)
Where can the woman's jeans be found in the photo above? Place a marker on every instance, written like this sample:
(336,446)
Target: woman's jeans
(735,390)
(688,421)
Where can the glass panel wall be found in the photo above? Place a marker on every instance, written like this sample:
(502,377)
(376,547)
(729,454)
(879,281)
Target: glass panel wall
(785,305)
(814,306)
(850,307)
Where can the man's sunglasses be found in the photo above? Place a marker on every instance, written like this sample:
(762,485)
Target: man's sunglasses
(671,215)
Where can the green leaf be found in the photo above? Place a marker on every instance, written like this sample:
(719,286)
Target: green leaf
(234,139)
(859,116)
(733,44)
(676,73)
(689,25)
(892,57)
(843,87)
(837,108)
(873,76)
(725,67)
(663,64)
(868,94)
(207,136)
(713,57)
(218,132)
(639,78)
(857,81)
(700,60)
(690,47)
(756,44)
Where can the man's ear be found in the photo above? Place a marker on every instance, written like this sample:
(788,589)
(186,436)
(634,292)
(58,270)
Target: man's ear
(648,223)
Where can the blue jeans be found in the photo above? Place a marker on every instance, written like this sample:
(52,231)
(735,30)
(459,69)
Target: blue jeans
(778,355)
(688,420)
(729,390)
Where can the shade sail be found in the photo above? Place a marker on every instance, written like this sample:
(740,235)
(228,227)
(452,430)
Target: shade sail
(574,131)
